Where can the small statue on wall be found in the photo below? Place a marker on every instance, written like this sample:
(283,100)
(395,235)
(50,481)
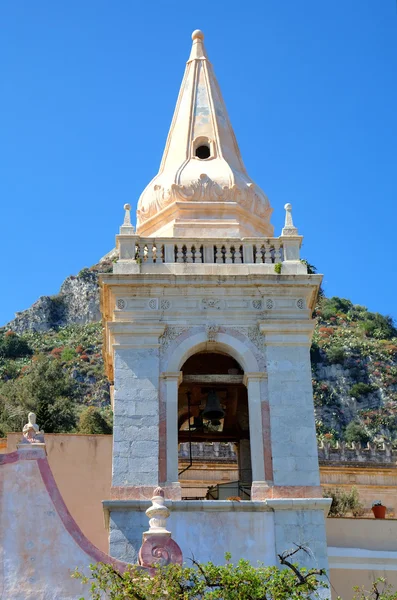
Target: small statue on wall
(31,431)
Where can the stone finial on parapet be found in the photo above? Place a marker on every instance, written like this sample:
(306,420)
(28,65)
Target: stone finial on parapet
(289,228)
(127,228)
(158,548)
(291,242)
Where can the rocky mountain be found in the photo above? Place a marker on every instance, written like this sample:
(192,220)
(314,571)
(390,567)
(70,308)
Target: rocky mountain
(76,303)
(58,341)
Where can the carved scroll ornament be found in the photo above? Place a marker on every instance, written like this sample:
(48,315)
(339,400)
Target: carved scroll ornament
(203,189)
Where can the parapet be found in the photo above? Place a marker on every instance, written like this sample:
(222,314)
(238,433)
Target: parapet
(372,453)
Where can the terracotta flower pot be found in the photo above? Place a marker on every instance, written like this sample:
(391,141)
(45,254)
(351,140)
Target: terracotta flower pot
(379,512)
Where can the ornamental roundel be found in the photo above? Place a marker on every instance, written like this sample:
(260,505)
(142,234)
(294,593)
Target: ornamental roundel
(121,303)
(165,304)
(300,303)
(257,304)
(153,303)
(269,304)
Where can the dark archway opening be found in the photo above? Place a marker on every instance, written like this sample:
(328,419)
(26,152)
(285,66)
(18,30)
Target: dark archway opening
(203,152)
(213,429)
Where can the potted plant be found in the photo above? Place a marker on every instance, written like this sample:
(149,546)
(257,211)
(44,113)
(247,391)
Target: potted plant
(378,509)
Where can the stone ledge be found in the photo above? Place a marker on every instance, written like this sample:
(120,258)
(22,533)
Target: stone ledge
(300,504)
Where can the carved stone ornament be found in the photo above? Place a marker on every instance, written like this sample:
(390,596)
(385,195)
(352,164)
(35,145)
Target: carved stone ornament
(158,548)
(165,304)
(211,331)
(153,303)
(300,303)
(31,431)
(204,189)
(170,334)
(121,303)
(257,304)
(269,304)
(212,303)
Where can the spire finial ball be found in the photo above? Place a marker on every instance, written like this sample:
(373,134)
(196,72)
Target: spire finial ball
(127,206)
(197,35)
(288,206)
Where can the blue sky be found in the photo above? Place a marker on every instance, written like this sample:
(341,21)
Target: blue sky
(87,92)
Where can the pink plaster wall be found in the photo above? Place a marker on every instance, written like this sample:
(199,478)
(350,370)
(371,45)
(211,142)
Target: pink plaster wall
(40,543)
(82,468)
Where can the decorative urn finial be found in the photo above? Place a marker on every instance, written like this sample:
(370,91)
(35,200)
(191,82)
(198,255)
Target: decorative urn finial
(158,548)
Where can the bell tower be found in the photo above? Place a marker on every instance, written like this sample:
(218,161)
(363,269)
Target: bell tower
(208,329)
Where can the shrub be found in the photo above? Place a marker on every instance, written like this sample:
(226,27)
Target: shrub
(277,268)
(92,422)
(201,581)
(46,390)
(14,346)
(68,354)
(336,355)
(355,432)
(344,502)
(361,389)
(56,352)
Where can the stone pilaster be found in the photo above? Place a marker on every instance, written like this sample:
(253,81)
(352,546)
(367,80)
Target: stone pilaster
(293,435)
(136,409)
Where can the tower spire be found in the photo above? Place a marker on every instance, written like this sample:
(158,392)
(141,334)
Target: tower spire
(202,183)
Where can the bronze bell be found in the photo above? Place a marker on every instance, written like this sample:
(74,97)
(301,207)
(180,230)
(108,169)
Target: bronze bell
(213,409)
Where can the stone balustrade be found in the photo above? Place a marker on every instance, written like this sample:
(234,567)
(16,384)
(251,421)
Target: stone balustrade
(327,453)
(205,250)
(208,251)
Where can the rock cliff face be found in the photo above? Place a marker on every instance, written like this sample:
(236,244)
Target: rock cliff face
(76,304)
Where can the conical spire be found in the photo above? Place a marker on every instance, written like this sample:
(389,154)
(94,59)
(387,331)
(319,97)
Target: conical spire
(202,185)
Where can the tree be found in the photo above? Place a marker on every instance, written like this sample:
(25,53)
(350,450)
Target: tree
(355,432)
(206,581)
(92,422)
(46,390)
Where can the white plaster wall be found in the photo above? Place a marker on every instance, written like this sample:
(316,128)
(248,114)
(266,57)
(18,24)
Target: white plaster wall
(136,417)
(294,446)
(203,529)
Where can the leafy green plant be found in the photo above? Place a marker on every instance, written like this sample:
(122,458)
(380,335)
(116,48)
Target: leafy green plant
(379,590)
(355,432)
(344,503)
(336,355)
(277,268)
(14,346)
(361,389)
(92,422)
(206,581)
(68,354)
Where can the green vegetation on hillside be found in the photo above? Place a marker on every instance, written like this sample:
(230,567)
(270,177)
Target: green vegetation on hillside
(56,374)
(354,364)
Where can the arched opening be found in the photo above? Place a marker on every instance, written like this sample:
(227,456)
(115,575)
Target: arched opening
(203,152)
(213,429)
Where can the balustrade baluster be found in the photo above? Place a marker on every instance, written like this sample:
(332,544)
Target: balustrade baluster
(238,254)
(180,254)
(219,254)
(189,254)
(268,253)
(228,254)
(277,252)
(197,254)
(258,254)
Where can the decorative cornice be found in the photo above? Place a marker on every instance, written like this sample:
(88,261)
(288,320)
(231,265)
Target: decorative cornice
(203,189)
